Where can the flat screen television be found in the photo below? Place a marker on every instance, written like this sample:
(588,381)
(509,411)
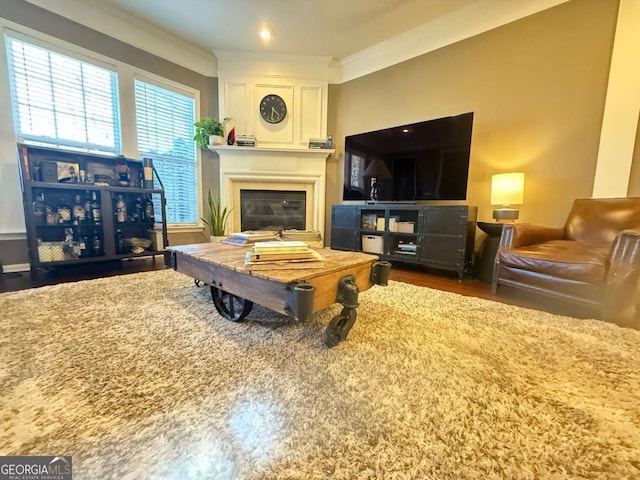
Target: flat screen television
(422,161)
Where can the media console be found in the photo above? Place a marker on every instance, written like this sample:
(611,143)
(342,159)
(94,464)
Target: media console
(437,236)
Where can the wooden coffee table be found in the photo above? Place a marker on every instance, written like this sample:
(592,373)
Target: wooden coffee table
(297,291)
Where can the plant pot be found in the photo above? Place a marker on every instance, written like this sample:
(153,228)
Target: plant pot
(216,140)
(217,238)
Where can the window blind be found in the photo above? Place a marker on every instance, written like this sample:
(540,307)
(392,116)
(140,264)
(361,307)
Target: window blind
(164,121)
(61,101)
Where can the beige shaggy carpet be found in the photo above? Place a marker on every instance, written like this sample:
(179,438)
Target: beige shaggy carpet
(138,377)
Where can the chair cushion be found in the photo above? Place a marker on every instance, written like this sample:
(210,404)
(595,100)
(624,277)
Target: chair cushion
(580,261)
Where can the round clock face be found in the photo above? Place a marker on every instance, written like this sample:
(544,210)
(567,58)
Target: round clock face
(273,109)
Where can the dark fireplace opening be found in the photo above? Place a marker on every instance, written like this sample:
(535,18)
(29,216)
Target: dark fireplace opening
(272,209)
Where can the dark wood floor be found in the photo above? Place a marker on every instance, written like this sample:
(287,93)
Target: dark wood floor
(10,282)
(440,280)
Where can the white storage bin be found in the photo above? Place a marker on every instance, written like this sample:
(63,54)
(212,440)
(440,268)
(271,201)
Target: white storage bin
(372,243)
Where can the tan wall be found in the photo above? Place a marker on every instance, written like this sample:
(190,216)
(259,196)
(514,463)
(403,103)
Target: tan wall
(537,87)
(634,177)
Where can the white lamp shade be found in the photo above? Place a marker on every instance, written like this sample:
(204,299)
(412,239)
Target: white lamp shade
(507,189)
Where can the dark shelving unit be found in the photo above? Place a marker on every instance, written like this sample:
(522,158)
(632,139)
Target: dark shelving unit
(437,236)
(62,236)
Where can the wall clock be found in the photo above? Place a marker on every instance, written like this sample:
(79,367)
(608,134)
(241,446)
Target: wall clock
(273,109)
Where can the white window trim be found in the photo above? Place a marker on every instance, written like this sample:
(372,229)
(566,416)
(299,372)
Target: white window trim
(126,76)
(167,84)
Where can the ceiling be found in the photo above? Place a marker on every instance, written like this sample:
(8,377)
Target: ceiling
(334,28)
(351,37)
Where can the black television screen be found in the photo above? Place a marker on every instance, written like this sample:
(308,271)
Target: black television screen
(421,161)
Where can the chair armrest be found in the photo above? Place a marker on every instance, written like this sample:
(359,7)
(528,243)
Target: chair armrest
(520,234)
(623,275)
(626,247)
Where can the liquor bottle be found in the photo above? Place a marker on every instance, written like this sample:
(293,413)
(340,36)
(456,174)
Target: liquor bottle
(96,211)
(88,216)
(82,172)
(120,246)
(149,214)
(147,175)
(64,212)
(96,245)
(36,176)
(121,210)
(122,170)
(78,211)
(40,209)
(138,214)
(83,244)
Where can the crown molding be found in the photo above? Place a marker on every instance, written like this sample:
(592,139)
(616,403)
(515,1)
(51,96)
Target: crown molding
(115,23)
(234,63)
(458,25)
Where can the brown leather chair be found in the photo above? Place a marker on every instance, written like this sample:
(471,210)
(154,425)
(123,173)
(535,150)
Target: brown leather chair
(593,261)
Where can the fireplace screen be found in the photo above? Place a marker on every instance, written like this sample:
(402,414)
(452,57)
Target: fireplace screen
(272,209)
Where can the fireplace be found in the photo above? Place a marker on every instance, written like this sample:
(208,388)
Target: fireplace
(272,209)
(274,170)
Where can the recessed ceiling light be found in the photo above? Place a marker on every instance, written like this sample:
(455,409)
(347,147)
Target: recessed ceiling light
(265,33)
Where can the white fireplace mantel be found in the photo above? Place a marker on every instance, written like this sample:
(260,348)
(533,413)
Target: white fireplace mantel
(264,168)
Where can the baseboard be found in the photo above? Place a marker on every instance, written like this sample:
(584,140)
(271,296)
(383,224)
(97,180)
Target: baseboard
(12,236)
(16,267)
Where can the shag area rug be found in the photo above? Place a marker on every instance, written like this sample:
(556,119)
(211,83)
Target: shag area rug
(138,377)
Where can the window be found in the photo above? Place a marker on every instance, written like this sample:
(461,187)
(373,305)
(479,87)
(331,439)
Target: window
(357,167)
(164,120)
(61,101)
(72,101)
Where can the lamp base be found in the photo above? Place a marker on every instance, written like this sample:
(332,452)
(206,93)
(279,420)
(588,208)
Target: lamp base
(506,214)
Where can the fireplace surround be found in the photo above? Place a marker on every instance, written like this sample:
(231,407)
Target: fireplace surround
(273,169)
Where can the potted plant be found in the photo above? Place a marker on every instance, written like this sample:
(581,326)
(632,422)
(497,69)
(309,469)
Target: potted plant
(209,131)
(217,216)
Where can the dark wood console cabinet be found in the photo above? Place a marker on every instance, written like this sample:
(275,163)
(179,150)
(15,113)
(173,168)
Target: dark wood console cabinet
(82,208)
(437,236)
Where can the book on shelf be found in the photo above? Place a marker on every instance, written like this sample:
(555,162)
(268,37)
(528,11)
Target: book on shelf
(280,261)
(368,221)
(283,266)
(294,257)
(281,246)
(249,237)
(244,140)
(258,257)
(313,238)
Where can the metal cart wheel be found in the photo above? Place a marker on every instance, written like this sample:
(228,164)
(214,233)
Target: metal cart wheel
(338,328)
(229,306)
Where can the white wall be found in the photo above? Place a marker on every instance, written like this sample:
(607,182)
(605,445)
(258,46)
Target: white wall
(620,123)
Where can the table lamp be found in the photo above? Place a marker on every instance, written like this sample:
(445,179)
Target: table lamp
(376,170)
(507,189)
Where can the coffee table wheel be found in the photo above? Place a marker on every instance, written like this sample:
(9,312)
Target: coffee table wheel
(229,306)
(338,328)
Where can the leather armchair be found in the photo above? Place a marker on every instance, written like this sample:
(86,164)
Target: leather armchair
(593,261)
